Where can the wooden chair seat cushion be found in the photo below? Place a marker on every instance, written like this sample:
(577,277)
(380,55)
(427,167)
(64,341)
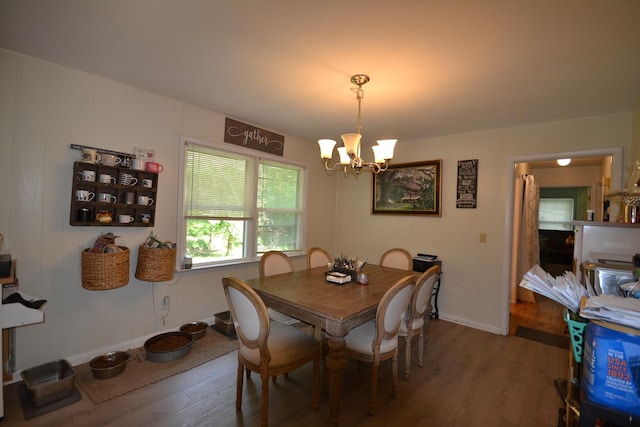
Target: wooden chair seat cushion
(286,345)
(360,339)
(282,318)
(418,322)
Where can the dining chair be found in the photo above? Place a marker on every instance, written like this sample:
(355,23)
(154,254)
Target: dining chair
(377,340)
(397,258)
(416,319)
(266,347)
(277,262)
(318,257)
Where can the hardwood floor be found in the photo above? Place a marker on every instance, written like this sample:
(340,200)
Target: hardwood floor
(470,378)
(545,315)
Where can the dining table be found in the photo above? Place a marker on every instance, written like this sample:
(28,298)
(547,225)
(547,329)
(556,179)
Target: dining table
(336,308)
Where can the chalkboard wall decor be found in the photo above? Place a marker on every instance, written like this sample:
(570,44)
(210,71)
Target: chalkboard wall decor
(467,184)
(239,133)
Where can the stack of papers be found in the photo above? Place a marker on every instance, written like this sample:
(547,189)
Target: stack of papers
(613,308)
(566,289)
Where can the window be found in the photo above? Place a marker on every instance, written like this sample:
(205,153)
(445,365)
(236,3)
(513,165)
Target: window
(237,206)
(555,214)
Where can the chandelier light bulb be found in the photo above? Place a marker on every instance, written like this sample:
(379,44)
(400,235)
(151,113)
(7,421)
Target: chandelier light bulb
(350,152)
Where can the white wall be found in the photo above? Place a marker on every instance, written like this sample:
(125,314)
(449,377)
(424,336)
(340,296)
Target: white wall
(45,107)
(474,291)
(584,176)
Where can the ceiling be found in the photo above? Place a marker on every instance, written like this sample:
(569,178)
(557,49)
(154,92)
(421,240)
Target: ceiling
(436,67)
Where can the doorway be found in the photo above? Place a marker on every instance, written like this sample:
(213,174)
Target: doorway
(546,314)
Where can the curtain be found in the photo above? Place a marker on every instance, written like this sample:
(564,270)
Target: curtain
(526,243)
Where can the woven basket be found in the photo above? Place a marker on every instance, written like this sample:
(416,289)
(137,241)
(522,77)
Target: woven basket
(156,264)
(104,271)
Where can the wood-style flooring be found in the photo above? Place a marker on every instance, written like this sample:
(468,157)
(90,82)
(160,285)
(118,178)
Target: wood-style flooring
(545,315)
(469,378)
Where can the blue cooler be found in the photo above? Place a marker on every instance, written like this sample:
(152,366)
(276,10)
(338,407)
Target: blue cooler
(611,366)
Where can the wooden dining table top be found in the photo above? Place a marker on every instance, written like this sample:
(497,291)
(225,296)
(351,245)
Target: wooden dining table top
(306,295)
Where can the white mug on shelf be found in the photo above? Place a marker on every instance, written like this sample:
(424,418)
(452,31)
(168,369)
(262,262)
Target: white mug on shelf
(138,164)
(87,175)
(84,195)
(128,179)
(110,160)
(125,219)
(107,198)
(145,200)
(105,178)
(90,155)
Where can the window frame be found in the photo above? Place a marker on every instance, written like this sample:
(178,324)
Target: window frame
(251,254)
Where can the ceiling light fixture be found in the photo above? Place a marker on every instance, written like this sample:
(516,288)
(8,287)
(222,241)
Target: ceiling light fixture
(350,153)
(563,162)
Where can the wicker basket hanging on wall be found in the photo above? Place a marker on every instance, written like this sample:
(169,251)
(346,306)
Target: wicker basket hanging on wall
(103,271)
(156,264)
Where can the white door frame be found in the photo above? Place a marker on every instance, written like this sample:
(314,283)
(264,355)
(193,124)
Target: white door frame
(616,182)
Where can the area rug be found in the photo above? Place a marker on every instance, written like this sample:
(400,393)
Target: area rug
(141,372)
(543,337)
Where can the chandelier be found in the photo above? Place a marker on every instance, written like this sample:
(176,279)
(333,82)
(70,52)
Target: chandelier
(350,152)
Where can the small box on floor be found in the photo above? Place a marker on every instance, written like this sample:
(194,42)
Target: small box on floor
(49,382)
(224,323)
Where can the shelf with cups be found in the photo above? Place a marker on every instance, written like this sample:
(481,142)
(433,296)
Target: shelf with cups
(111,195)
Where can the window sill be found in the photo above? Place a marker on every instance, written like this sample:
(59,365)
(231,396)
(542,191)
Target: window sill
(235,263)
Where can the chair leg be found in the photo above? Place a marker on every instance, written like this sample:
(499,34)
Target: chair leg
(316,383)
(394,374)
(239,386)
(420,348)
(374,389)
(264,401)
(407,355)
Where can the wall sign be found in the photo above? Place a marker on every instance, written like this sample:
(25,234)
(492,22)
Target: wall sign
(239,133)
(467,184)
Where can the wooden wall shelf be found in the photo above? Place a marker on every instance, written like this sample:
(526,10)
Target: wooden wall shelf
(122,199)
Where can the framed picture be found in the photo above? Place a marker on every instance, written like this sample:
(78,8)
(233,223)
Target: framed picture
(408,188)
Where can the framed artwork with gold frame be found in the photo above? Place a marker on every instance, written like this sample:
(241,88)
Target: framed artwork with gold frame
(408,189)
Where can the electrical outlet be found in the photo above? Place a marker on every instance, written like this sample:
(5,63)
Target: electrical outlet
(483,237)
(165,301)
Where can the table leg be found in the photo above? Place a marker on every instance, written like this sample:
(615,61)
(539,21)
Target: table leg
(336,363)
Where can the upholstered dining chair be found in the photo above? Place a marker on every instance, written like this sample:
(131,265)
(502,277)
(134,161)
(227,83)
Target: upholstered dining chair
(377,340)
(268,348)
(277,262)
(416,319)
(318,257)
(397,258)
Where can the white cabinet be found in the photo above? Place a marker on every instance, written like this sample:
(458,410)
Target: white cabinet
(605,242)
